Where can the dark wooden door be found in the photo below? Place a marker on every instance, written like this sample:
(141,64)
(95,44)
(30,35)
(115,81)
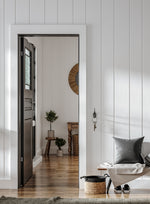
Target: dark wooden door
(26,109)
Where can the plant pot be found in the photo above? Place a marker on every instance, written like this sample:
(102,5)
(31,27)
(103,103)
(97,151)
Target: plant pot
(51,133)
(59,153)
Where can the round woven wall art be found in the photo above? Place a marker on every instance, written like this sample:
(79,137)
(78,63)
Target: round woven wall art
(73,78)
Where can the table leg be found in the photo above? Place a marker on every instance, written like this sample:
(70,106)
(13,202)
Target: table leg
(69,143)
(47,149)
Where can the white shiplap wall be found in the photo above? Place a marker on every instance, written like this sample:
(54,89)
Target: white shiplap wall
(2,81)
(94,43)
(118,73)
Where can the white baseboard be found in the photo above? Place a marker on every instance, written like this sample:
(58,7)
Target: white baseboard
(53,150)
(37,159)
(8,183)
(39,151)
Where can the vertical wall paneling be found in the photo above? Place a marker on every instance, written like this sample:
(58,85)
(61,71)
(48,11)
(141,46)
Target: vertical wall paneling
(118,68)
(22,11)
(122,68)
(36,11)
(9,19)
(79,11)
(65,12)
(114,68)
(145,6)
(146,70)
(142,67)
(93,21)
(2,82)
(107,79)
(135,68)
(51,12)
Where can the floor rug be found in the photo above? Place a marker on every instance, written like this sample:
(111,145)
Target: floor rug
(58,200)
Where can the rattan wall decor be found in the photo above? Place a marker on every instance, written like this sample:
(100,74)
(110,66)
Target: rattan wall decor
(73,78)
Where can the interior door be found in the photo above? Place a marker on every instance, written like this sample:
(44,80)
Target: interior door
(26,109)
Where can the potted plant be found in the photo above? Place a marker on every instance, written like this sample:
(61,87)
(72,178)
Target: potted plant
(51,116)
(60,142)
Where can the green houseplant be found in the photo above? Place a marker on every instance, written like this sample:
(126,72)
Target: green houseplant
(51,116)
(59,143)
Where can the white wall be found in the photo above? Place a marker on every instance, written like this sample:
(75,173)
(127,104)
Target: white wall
(60,54)
(55,56)
(118,47)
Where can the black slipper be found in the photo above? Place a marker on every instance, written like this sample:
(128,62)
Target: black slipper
(126,188)
(118,189)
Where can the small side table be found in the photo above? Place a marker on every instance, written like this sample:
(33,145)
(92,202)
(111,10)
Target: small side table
(48,145)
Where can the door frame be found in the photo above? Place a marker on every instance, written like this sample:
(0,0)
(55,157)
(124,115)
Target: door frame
(49,30)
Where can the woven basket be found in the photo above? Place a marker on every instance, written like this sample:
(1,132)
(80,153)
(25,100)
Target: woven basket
(95,187)
(75,145)
(95,184)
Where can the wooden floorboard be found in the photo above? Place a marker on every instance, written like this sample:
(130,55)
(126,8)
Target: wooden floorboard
(58,176)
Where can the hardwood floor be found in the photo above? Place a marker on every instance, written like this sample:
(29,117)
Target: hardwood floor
(58,176)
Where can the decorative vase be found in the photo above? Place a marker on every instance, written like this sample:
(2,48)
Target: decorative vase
(51,133)
(59,153)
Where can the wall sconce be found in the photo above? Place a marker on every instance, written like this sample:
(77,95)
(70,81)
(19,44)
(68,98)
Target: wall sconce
(94,119)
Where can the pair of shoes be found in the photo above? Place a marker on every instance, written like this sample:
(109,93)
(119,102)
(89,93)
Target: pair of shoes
(126,189)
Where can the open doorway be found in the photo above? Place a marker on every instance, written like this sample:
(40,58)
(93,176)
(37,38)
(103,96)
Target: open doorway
(55,57)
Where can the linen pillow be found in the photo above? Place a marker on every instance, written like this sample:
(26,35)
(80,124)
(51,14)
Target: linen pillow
(128,150)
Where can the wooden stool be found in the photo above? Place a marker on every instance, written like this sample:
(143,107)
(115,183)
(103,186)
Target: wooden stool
(48,145)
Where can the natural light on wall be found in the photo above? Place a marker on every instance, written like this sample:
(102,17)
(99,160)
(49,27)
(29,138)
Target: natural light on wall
(7,159)
(8,92)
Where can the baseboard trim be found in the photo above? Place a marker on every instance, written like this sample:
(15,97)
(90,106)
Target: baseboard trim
(39,151)
(8,183)
(53,150)
(37,159)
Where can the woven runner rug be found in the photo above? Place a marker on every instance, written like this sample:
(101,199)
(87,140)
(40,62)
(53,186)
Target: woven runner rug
(58,200)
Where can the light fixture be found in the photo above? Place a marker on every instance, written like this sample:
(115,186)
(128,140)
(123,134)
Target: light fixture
(94,119)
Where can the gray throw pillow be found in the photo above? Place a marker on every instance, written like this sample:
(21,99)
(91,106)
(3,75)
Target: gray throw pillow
(128,150)
(147,160)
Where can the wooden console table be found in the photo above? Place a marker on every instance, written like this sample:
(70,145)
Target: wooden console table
(71,126)
(48,145)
